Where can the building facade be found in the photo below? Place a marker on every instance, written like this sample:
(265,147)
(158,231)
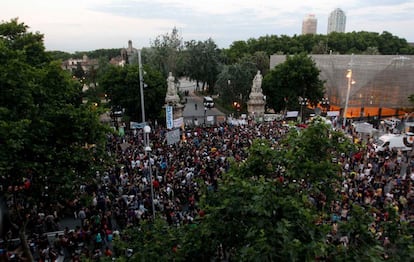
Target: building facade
(336,21)
(380,84)
(130,54)
(309,24)
(86,63)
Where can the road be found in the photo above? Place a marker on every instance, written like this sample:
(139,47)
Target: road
(194,112)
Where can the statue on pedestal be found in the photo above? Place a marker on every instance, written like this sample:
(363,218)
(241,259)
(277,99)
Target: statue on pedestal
(171,91)
(172,94)
(172,98)
(257,83)
(256,103)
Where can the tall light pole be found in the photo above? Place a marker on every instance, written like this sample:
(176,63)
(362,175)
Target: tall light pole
(205,115)
(325,104)
(350,82)
(147,131)
(141,85)
(141,89)
(303,101)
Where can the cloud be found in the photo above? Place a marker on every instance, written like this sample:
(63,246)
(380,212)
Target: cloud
(92,24)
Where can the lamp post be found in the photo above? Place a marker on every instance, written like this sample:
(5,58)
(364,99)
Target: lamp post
(141,89)
(205,115)
(147,131)
(325,104)
(350,82)
(303,101)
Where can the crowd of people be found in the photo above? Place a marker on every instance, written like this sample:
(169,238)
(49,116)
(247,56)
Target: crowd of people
(376,181)
(120,196)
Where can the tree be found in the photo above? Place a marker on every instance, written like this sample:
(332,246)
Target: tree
(235,81)
(166,49)
(297,77)
(262,61)
(121,84)
(202,63)
(237,49)
(50,140)
(79,73)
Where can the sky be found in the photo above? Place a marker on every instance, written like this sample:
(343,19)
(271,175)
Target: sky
(87,25)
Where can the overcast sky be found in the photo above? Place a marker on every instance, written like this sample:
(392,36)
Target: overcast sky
(85,25)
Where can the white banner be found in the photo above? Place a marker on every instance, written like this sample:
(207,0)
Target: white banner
(272,117)
(292,114)
(332,113)
(173,136)
(169,117)
(178,122)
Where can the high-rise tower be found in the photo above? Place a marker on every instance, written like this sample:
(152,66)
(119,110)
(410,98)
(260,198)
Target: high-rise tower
(336,21)
(309,24)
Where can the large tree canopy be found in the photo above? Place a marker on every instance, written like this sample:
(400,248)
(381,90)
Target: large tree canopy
(201,62)
(343,43)
(49,139)
(121,84)
(297,77)
(234,82)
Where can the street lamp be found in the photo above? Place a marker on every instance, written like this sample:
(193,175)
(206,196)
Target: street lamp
(325,103)
(303,101)
(236,106)
(147,131)
(141,89)
(350,82)
(205,115)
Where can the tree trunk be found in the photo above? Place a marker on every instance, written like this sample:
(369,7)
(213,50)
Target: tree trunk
(25,247)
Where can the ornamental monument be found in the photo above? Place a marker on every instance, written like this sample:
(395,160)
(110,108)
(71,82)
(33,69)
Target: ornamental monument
(256,103)
(172,98)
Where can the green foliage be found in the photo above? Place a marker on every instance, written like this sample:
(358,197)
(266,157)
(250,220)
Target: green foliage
(165,52)
(342,43)
(235,82)
(201,64)
(121,84)
(362,244)
(297,77)
(59,55)
(151,241)
(45,131)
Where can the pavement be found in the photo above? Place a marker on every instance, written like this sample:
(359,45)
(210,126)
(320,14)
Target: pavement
(194,111)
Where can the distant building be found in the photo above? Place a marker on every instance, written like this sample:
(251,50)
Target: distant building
(86,64)
(336,21)
(130,54)
(117,61)
(309,24)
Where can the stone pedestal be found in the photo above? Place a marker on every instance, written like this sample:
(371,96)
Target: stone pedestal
(178,109)
(256,103)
